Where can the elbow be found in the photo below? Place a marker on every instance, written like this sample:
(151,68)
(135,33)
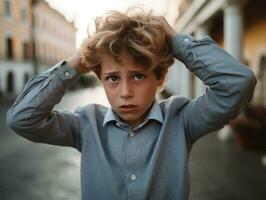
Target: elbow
(20,125)
(251,78)
(245,86)
(12,121)
(242,83)
(249,82)
(15,122)
(240,91)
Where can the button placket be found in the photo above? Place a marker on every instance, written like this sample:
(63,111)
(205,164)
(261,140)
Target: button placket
(186,40)
(67,74)
(133,162)
(133,177)
(131,133)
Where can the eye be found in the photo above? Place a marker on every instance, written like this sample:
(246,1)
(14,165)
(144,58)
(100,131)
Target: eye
(112,78)
(138,77)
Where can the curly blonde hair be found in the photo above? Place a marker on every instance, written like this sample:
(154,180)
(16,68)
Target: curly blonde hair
(138,33)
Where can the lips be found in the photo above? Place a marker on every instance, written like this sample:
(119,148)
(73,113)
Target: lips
(127,108)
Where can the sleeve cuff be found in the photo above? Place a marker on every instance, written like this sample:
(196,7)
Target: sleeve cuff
(66,74)
(180,43)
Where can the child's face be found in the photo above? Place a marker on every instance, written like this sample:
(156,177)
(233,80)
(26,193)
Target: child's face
(129,87)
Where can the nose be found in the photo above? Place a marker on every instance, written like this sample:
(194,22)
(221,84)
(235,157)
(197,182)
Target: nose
(126,90)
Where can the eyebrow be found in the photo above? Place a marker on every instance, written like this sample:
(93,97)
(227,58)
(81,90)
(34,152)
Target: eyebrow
(111,73)
(130,72)
(137,71)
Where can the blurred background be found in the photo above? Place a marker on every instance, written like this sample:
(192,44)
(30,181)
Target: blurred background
(35,34)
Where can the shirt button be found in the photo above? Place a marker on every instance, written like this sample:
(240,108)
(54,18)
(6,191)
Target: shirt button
(131,134)
(133,177)
(66,73)
(186,40)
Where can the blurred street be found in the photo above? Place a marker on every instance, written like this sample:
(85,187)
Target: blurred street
(29,171)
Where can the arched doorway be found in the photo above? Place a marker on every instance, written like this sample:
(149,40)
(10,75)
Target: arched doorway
(262,79)
(9,48)
(26,78)
(0,87)
(10,82)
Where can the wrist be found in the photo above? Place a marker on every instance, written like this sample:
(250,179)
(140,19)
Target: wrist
(75,62)
(172,34)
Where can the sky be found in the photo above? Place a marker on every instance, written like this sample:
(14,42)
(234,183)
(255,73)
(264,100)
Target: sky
(82,12)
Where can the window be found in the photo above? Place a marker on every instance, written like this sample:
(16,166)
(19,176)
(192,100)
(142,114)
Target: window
(9,48)
(7,8)
(23,16)
(25,49)
(262,79)
(10,82)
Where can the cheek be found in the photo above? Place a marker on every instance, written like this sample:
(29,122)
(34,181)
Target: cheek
(150,89)
(147,95)
(110,93)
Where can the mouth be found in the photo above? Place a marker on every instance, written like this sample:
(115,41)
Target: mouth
(127,108)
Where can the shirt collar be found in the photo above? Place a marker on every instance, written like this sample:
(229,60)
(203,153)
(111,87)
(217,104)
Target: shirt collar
(155,113)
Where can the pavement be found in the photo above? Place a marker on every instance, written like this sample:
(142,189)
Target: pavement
(29,171)
(225,171)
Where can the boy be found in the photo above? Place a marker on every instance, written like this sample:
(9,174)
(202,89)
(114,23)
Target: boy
(138,148)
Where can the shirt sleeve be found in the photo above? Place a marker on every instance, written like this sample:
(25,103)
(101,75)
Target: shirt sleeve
(32,115)
(230,84)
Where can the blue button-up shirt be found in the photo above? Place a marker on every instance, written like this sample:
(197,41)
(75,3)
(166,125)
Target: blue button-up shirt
(151,160)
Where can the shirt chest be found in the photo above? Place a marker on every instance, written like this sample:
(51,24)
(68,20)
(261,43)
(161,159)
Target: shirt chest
(133,162)
(129,147)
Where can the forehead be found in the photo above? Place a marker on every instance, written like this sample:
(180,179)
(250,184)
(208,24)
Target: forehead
(124,62)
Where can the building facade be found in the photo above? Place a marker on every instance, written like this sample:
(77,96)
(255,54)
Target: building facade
(239,26)
(15,45)
(33,36)
(54,36)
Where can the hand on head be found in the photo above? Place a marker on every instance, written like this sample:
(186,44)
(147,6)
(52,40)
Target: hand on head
(77,62)
(168,29)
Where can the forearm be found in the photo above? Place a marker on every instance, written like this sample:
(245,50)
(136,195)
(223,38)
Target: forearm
(32,115)
(230,84)
(38,98)
(215,67)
